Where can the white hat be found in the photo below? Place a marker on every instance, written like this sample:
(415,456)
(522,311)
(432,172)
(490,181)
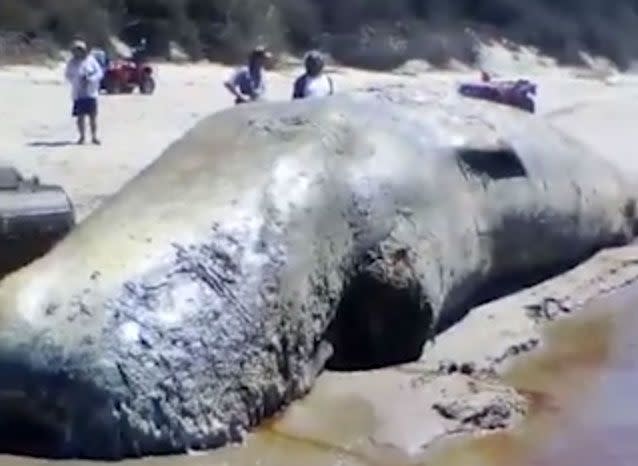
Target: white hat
(78,44)
(261,51)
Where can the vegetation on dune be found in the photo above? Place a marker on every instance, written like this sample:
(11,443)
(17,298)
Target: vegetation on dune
(371,33)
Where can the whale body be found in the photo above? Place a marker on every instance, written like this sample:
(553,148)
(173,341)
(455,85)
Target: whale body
(202,298)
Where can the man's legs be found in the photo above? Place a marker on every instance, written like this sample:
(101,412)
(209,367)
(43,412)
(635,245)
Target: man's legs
(93,125)
(83,108)
(81,127)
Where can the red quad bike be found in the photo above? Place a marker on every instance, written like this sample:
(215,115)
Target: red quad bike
(517,93)
(123,76)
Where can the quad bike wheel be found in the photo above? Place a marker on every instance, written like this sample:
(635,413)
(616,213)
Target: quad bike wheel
(147,85)
(112,86)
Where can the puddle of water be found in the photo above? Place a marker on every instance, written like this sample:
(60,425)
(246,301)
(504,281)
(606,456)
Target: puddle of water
(581,390)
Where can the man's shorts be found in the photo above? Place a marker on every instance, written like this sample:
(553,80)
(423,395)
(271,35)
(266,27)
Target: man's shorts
(84,106)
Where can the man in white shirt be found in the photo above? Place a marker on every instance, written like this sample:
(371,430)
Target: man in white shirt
(84,74)
(314,82)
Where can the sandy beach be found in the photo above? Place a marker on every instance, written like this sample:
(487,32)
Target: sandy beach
(392,416)
(38,132)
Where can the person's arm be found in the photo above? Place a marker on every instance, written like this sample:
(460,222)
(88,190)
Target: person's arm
(231,85)
(260,90)
(94,70)
(68,72)
(298,88)
(233,90)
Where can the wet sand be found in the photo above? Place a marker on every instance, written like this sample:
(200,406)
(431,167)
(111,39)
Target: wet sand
(582,389)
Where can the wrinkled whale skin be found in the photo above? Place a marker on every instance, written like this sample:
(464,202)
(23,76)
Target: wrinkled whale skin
(193,304)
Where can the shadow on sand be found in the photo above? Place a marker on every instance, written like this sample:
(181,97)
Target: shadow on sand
(51,143)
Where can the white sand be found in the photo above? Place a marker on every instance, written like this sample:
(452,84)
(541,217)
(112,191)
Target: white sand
(37,131)
(36,135)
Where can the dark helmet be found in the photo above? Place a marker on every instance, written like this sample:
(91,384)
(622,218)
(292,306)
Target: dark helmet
(314,61)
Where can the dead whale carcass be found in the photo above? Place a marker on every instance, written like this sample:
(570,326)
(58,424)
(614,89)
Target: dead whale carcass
(197,301)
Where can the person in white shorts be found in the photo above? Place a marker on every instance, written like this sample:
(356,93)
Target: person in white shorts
(84,73)
(314,82)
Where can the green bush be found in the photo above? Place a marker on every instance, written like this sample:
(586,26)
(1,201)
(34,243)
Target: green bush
(374,33)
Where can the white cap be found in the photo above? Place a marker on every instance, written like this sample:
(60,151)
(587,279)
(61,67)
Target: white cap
(78,44)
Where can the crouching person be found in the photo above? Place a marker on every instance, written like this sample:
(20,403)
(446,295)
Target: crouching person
(247,83)
(314,82)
